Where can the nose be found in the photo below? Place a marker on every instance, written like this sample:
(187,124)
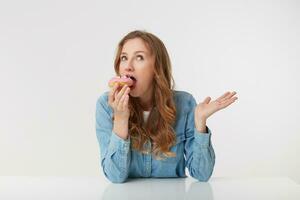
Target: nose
(129,67)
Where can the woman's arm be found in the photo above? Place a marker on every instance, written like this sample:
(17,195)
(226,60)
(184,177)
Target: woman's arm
(115,151)
(200,155)
(201,126)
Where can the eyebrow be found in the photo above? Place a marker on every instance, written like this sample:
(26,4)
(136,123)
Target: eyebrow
(135,52)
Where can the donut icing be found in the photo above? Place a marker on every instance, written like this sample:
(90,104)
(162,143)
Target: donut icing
(121,80)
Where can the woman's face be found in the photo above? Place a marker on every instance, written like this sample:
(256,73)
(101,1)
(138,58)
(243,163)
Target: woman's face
(136,60)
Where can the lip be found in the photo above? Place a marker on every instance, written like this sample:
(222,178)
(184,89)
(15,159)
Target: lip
(133,78)
(132,87)
(130,75)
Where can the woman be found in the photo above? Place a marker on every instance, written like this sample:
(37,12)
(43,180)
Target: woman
(148,129)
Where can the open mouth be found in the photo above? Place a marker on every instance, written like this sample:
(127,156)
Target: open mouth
(133,79)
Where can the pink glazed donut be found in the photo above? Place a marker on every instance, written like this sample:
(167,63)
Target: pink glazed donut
(121,80)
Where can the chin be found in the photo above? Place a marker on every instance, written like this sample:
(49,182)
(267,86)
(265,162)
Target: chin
(133,94)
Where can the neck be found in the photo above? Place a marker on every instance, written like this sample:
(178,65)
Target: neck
(146,106)
(146,101)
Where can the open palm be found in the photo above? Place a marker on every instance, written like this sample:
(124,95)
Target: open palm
(206,108)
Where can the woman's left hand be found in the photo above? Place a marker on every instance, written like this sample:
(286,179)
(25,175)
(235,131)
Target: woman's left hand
(206,108)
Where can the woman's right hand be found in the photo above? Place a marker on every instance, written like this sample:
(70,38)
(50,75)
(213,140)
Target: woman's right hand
(118,99)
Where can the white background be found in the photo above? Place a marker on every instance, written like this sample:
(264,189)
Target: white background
(56,58)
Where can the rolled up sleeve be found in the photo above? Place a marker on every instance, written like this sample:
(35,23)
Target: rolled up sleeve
(114,151)
(200,155)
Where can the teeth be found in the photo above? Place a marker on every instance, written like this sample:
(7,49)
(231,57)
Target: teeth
(131,77)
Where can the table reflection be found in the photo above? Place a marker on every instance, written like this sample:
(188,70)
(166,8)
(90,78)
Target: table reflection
(158,188)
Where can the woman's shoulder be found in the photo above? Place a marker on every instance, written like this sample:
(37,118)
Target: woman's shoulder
(183,99)
(102,101)
(102,98)
(182,95)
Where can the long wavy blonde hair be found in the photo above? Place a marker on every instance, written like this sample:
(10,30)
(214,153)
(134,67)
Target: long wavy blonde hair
(159,127)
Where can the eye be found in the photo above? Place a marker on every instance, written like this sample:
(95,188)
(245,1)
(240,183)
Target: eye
(140,57)
(122,58)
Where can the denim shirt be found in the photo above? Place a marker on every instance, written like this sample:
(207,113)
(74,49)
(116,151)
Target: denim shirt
(193,149)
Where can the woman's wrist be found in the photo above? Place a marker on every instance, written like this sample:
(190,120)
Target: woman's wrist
(121,128)
(201,125)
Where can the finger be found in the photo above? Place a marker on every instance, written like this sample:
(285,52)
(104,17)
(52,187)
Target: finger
(125,103)
(121,102)
(112,93)
(226,103)
(229,96)
(207,100)
(223,96)
(120,94)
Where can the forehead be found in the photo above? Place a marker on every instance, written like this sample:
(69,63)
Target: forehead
(133,45)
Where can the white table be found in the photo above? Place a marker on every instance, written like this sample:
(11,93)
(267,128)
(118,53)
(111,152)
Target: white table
(89,188)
